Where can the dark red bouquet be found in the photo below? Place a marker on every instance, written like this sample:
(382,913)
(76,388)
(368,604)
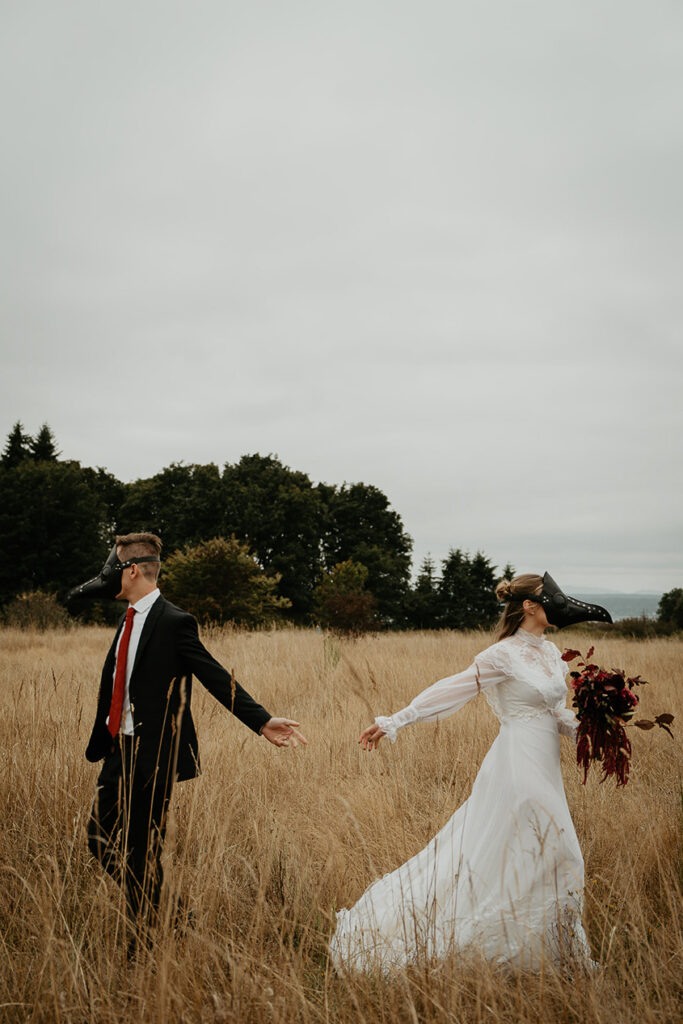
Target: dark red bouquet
(604,701)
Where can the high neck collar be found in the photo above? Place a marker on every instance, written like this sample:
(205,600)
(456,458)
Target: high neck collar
(530,638)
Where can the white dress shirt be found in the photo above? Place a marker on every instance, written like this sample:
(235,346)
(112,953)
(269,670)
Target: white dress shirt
(142,608)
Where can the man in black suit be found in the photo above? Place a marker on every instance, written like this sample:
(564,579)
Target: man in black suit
(143,727)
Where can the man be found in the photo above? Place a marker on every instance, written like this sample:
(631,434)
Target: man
(143,727)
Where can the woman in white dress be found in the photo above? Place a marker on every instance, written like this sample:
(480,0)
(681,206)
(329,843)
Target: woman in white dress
(503,877)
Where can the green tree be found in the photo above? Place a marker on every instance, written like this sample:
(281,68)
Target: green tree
(219,581)
(182,504)
(109,493)
(341,602)
(17,447)
(670,609)
(422,607)
(483,609)
(279,513)
(51,527)
(43,447)
(453,588)
(466,591)
(360,525)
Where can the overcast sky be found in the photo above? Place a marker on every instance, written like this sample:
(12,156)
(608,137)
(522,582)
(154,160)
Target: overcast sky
(432,246)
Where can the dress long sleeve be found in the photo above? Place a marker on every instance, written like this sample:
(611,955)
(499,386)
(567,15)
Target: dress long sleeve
(444,697)
(567,721)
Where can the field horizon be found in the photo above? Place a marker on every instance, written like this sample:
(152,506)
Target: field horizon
(266,844)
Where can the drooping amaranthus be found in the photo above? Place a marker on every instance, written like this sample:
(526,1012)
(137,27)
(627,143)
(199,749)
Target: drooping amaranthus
(605,702)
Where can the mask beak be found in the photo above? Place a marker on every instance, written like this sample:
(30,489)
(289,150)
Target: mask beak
(561,610)
(106,584)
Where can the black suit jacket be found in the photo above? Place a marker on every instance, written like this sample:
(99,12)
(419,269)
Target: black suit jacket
(169,653)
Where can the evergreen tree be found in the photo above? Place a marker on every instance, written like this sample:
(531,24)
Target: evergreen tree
(17,447)
(466,592)
(454,591)
(482,604)
(43,447)
(422,606)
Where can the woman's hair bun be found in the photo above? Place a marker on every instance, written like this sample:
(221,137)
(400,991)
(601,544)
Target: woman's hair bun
(504,591)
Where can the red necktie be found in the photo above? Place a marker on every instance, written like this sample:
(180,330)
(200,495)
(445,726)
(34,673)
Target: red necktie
(120,677)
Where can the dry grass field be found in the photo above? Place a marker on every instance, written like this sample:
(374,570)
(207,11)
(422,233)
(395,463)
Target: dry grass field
(267,843)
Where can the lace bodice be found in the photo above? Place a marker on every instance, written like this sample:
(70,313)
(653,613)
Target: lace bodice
(523,676)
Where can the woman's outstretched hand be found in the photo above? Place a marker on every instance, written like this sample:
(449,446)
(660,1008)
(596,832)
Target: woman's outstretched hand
(370,737)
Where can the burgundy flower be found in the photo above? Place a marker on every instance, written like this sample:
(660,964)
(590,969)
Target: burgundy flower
(604,700)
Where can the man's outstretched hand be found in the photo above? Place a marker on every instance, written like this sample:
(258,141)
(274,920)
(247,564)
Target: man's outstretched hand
(283,732)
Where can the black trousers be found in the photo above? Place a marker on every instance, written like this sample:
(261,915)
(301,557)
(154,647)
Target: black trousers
(127,827)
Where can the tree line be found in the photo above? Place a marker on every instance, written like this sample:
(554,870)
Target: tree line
(308,552)
(250,542)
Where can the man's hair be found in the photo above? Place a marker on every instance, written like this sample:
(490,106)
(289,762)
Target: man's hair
(137,545)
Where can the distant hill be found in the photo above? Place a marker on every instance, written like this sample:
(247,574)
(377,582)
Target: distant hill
(624,606)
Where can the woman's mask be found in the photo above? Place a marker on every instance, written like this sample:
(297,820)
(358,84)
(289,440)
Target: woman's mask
(562,610)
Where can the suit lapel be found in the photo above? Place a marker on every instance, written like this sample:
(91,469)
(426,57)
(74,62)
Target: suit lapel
(112,649)
(147,630)
(110,660)
(107,680)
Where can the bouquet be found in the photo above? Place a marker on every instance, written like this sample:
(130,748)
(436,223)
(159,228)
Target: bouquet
(605,702)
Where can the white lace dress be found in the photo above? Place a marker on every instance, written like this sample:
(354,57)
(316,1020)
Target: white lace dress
(503,877)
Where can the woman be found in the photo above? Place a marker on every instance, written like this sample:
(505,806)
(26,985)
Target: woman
(505,875)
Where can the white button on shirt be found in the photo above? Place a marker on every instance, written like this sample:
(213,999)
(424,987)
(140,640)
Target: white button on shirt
(141,611)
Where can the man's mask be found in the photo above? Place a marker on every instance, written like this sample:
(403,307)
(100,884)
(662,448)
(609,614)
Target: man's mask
(562,610)
(108,581)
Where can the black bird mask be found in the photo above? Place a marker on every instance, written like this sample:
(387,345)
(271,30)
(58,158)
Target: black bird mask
(562,610)
(107,583)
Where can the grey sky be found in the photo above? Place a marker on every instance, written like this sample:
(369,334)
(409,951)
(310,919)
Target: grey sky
(435,247)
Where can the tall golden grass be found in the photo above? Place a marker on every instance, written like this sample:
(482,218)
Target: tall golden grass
(267,843)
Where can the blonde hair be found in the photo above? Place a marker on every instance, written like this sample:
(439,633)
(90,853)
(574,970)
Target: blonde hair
(136,545)
(513,592)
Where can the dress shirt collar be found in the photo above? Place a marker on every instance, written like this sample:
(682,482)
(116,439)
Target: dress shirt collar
(146,602)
